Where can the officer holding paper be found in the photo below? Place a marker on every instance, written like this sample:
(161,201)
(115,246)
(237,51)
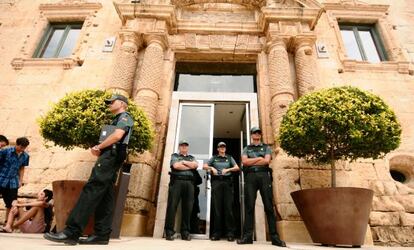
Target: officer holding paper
(97,196)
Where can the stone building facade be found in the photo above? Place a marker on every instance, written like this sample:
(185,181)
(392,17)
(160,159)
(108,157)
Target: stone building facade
(137,48)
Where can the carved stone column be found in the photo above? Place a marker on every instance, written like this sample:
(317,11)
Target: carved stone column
(146,95)
(281,87)
(122,78)
(150,75)
(306,74)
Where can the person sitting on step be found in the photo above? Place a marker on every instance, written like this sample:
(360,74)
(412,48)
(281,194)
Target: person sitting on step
(36,218)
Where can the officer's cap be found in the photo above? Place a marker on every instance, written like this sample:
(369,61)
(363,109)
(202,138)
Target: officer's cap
(255,130)
(221,144)
(182,142)
(116,97)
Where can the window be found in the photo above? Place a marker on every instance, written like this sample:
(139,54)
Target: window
(362,43)
(215,77)
(215,83)
(59,41)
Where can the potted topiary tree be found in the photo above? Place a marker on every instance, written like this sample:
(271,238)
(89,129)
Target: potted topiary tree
(341,123)
(76,121)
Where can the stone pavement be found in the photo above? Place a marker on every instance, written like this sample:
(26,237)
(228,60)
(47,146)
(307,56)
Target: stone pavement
(19,241)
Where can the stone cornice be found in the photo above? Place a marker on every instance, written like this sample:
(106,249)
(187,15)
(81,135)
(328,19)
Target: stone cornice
(127,11)
(68,10)
(273,15)
(381,8)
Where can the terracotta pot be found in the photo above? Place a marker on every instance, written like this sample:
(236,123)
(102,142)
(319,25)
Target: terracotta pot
(335,216)
(65,196)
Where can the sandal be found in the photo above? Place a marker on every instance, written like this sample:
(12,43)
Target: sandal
(3,230)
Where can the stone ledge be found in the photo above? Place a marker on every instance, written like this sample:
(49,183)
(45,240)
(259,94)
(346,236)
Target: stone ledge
(402,67)
(65,63)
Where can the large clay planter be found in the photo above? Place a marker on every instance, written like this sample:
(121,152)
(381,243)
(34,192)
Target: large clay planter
(335,216)
(65,196)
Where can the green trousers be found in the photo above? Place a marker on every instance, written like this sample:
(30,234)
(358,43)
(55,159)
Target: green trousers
(97,197)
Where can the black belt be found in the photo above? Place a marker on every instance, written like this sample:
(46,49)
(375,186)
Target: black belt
(257,169)
(221,178)
(181,177)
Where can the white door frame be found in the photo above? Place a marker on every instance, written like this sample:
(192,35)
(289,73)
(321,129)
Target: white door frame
(170,144)
(200,164)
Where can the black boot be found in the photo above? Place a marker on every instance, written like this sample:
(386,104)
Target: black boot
(215,238)
(61,238)
(245,240)
(276,241)
(185,236)
(95,240)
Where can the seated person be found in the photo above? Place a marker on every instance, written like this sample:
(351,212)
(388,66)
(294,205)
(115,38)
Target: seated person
(35,219)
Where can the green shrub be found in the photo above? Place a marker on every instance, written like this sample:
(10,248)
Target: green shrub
(342,123)
(76,121)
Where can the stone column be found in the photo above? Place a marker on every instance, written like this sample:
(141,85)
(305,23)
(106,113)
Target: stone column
(306,75)
(146,95)
(123,74)
(150,75)
(280,82)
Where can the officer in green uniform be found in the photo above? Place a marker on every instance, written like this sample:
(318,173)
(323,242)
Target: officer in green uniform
(181,188)
(97,196)
(256,158)
(221,166)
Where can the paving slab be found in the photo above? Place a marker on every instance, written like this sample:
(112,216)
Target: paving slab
(18,241)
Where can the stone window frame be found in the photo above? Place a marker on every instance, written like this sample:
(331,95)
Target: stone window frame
(368,14)
(64,12)
(43,45)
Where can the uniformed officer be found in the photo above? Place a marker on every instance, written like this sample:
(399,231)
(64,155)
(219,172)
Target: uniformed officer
(181,188)
(97,196)
(258,176)
(221,166)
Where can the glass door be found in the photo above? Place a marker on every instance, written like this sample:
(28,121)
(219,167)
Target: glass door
(195,124)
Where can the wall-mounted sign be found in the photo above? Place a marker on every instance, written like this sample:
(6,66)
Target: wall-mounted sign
(109,44)
(321,50)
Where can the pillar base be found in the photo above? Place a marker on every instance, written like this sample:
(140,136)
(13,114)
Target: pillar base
(134,225)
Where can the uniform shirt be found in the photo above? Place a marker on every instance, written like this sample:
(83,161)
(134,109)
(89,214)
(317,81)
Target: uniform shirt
(125,122)
(176,157)
(10,164)
(254,151)
(221,162)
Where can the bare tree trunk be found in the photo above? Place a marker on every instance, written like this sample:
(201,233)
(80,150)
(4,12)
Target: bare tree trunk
(333,170)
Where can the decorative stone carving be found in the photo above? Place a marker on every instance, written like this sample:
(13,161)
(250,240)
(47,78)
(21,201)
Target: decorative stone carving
(125,65)
(306,77)
(250,3)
